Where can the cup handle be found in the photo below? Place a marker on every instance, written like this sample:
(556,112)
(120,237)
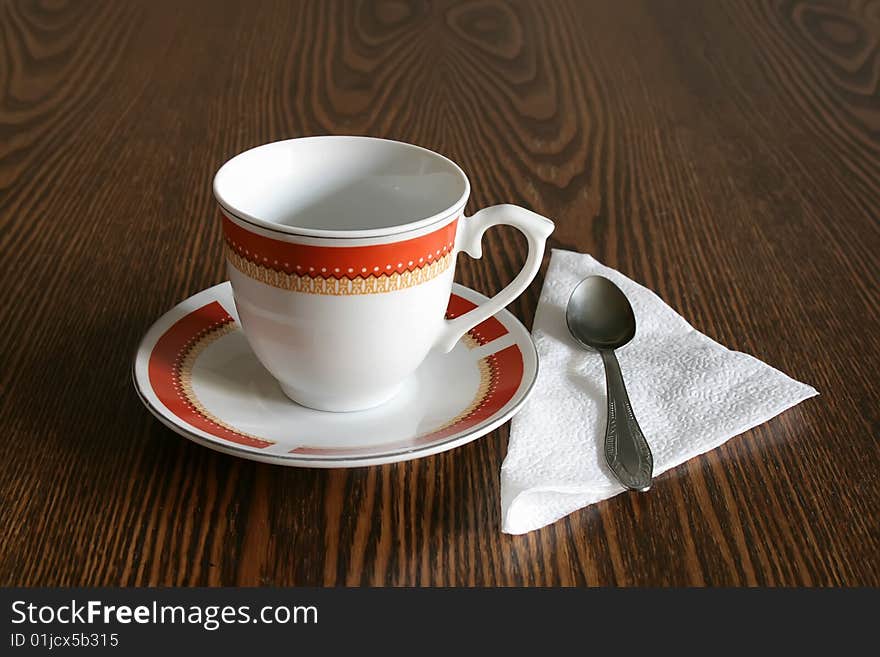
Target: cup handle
(470,234)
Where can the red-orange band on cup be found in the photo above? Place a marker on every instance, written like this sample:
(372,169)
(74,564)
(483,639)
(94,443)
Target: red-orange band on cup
(340,261)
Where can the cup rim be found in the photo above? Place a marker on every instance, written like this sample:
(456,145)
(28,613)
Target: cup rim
(416,224)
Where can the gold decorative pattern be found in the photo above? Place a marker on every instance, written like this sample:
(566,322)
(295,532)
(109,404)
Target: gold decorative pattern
(487,384)
(184,372)
(469,341)
(339,287)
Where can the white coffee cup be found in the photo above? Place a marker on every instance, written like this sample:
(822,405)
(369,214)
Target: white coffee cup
(341,253)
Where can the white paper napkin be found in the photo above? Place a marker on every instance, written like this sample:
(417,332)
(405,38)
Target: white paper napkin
(689,393)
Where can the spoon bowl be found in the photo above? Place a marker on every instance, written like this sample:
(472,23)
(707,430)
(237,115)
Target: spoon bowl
(599,314)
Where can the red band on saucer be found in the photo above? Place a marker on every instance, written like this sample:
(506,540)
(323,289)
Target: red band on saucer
(483,333)
(171,363)
(173,356)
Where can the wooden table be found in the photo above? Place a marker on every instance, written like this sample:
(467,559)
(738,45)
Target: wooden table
(724,154)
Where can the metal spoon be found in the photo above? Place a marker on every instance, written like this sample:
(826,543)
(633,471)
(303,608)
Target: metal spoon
(599,317)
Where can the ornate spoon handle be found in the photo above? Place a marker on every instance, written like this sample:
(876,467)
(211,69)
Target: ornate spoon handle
(626,450)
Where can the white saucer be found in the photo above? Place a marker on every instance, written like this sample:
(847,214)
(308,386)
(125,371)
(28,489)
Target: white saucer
(195,372)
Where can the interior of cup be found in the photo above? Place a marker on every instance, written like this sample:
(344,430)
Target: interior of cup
(331,184)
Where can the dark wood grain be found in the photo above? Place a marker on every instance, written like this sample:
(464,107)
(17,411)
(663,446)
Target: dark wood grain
(726,154)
